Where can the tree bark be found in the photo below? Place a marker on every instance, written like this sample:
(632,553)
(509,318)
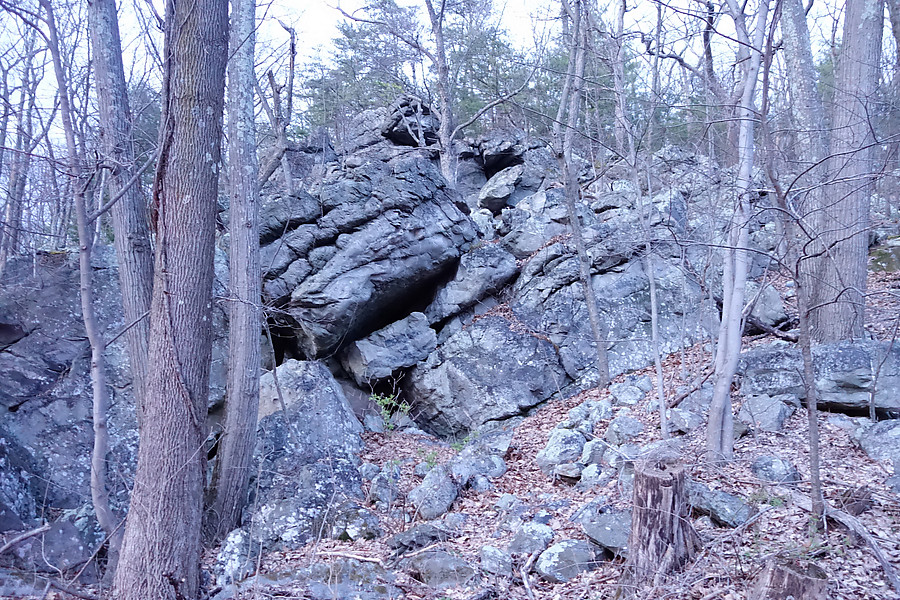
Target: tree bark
(720,429)
(242,398)
(784,581)
(445,130)
(100,404)
(838,299)
(129,215)
(160,555)
(569,104)
(662,538)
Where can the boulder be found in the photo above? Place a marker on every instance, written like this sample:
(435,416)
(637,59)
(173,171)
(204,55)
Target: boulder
(61,548)
(482,271)
(775,469)
(767,413)
(564,446)
(481,458)
(501,148)
(623,429)
(382,354)
(684,421)
(463,384)
(881,441)
(352,522)
(496,561)
(496,193)
(723,508)
(609,529)
(439,569)
(305,455)
(531,537)
(564,560)
(845,375)
(435,495)
(410,122)
(416,537)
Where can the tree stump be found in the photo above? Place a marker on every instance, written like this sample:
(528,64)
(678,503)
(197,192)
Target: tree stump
(790,580)
(662,537)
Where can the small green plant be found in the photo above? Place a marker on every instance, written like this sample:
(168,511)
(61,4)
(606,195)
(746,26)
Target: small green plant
(431,459)
(387,406)
(460,444)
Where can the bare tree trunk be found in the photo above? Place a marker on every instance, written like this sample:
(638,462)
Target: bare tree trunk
(99,489)
(720,429)
(160,555)
(838,299)
(21,159)
(129,213)
(436,18)
(570,100)
(242,399)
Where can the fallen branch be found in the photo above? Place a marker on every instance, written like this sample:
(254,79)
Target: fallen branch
(526,568)
(854,525)
(72,592)
(24,536)
(377,561)
(693,388)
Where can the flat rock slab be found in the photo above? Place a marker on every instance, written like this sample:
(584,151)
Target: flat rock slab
(566,559)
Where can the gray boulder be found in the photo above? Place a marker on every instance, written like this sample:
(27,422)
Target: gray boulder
(496,561)
(684,421)
(499,188)
(531,537)
(61,548)
(435,495)
(400,345)
(623,429)
(723,508)
(881,441)
(237,558)
(352,522)
(439,569)
(609,529)
(767,413)
(481,458)
(463,384)
(410,122)
(501,148)
(564,446)
(416,537)
(775,469)
(845,375)
(566,559)
(626,394)
(481,272)
(305,455)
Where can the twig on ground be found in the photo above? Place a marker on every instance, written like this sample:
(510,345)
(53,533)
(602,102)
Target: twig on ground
(24,536)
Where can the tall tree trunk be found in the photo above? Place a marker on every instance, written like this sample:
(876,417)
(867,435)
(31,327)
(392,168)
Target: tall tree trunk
(445,131)
(720,429)
(129,213)
(160,555)
(99,489)
(569,104)
(242,399)
(837,303)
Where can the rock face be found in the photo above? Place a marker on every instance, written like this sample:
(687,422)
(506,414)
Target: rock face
(401,344)
(464,383)
(387,230)
(845,375)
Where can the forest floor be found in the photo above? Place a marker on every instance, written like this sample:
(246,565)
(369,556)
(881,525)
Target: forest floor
(730,559)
